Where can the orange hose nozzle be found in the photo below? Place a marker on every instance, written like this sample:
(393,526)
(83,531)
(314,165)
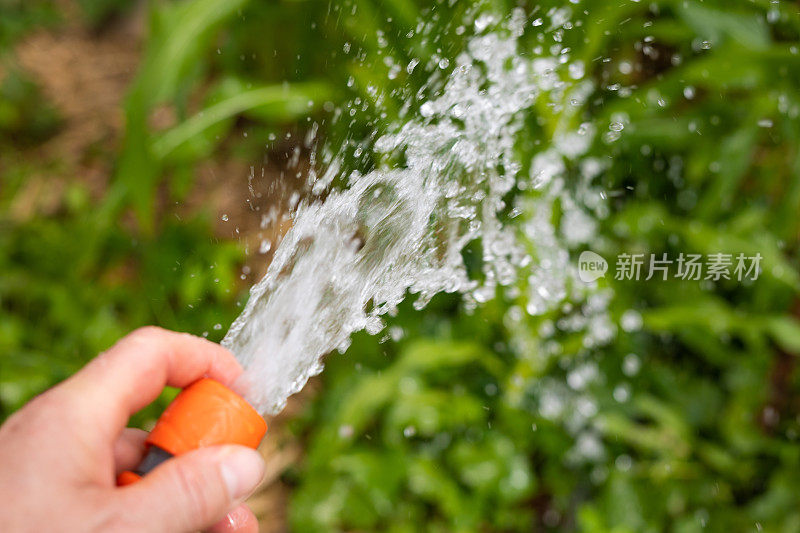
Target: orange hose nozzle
(205,413)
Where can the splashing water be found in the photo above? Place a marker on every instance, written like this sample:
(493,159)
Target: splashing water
(399,229)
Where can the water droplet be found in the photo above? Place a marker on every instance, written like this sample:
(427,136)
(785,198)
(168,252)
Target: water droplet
(483,22)
(426,110)
(773,16)
(631,320)
(623,462)
(622,393)
(631,365)
(576,70)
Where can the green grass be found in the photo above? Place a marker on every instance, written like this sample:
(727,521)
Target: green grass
(444,429)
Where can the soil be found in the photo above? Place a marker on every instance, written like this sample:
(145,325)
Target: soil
(84,75)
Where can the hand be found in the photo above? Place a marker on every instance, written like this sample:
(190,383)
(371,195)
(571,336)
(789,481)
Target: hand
(60,454)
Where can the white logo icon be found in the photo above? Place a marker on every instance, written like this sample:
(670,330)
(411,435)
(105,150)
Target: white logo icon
(591,266)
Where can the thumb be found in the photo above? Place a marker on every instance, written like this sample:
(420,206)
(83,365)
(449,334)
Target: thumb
(195,490)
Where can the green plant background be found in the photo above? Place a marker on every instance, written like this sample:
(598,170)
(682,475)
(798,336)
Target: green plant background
(442,430)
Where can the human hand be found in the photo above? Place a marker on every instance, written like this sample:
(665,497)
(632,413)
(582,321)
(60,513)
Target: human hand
(60,454)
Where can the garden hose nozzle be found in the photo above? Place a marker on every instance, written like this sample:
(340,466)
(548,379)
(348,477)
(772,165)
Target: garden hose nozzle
(205,413)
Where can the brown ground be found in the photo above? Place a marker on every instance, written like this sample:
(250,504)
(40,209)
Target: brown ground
(71,63)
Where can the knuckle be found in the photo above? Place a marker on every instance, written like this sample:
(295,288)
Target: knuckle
(191,483)
(144,338)
(111,519)
(146,333)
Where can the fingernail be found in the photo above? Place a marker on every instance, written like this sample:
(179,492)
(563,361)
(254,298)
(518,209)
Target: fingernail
(242,470)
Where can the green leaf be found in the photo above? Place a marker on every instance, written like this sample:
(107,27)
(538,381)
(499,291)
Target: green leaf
(786,332)
(271,103)
(747,29)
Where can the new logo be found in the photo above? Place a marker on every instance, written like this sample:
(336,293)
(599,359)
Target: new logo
(591,266)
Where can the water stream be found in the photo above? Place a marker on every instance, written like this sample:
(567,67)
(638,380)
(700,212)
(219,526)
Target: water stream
(355,252)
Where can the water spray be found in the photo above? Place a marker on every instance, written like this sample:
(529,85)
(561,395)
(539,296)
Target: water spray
(353,254)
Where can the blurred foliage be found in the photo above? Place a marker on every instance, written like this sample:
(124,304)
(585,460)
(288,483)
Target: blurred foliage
(99,12)
(693,421)
(25,115)
(692,418)
(20,16)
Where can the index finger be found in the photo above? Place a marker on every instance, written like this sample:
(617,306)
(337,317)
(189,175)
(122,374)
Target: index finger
(134,371)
